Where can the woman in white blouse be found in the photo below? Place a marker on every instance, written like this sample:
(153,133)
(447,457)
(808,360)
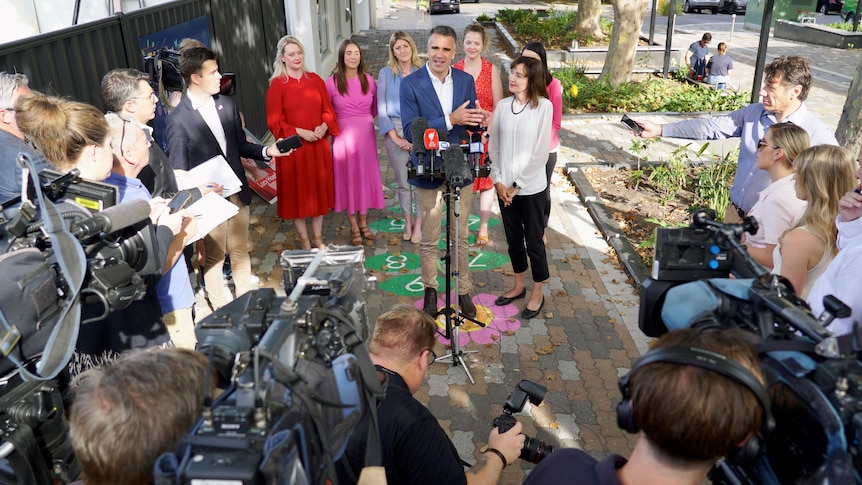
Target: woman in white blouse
(519,144)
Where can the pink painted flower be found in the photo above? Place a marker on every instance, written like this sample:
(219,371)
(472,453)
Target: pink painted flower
(497,320)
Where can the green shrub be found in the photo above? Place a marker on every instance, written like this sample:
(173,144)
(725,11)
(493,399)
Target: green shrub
(554,31)
(664,7)
(483,18)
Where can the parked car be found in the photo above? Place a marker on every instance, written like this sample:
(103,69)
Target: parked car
(732,6)
(437,6)
(849,10)
(827,6)
(700,5)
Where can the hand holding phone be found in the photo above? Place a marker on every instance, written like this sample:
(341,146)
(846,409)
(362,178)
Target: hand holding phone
(179,201)
(632,125)
(290,143)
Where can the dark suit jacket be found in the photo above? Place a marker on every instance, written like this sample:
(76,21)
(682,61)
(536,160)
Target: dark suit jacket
(418,98)
(191,142)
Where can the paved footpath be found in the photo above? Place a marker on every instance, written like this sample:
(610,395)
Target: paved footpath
(587,334)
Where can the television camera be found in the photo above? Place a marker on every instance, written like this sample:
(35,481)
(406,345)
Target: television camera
(813,377)
(299,378)
(56,255)
(163,68)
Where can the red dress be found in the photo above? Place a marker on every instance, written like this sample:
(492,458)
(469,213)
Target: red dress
(486,100)
(304,178)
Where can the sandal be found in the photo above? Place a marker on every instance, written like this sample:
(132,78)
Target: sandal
(367,234)
(305,243)
(355,237)
(481,240)
(318,242)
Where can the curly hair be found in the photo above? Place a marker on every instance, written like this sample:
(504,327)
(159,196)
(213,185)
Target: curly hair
(791,70)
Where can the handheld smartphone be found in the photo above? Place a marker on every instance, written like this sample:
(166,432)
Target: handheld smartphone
(179,201)
(289,143)
(632,125)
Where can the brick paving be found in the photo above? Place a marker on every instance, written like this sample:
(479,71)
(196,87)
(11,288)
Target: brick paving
(587,334)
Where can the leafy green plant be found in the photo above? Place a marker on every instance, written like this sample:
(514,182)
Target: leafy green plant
(639,147)
(712,183)
(672,176)
(484,18)
(664,8)
(554,30)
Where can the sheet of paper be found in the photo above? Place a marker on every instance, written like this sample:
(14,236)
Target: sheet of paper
(217,170)
(210,211)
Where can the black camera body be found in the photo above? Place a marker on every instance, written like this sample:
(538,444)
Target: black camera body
(814,379)
(163,67)
(297,373)
(534,450)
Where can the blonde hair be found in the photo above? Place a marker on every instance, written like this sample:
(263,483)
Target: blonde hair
(60,128)
(393,61)
(826,173)
(792,139)
(278,69)
(403,333)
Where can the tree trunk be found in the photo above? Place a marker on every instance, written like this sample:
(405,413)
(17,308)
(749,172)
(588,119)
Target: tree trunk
(587,21)
(628,19)
(850,124)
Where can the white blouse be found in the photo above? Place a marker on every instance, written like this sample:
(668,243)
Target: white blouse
(519,144)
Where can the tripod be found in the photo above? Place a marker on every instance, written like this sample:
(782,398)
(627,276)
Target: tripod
(454,317)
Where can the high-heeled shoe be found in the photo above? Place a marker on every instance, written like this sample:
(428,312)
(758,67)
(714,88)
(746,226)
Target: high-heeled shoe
(355,237)
(305,243)
(367,234)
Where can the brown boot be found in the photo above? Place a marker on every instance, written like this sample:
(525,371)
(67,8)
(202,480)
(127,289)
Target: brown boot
(430,305)
(468,309)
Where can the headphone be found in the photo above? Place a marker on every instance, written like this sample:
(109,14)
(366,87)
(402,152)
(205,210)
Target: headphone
(714,362)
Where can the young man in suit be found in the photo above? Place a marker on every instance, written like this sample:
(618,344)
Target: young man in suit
(446,97)
(202,127)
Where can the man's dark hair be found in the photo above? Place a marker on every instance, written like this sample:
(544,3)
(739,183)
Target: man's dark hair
(791,70)
(192,61)
(445,31)
(693,414)
(121,85)
(707,37)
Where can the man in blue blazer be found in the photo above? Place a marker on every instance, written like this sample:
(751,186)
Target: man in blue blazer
(446,97)
(198,129)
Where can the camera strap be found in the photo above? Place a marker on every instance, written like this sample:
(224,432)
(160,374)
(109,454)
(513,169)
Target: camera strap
(72,261)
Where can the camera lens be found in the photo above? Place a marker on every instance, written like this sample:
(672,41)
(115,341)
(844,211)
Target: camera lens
(535,450)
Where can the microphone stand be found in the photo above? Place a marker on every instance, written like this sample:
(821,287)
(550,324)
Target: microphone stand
(454,317)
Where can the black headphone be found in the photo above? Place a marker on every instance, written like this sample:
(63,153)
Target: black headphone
(712,361)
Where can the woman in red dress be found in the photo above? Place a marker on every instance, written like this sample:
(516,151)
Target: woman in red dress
(297,104)
(489,90)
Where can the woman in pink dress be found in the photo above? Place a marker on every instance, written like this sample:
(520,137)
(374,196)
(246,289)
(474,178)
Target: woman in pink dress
(489,90)
(354,149)
(536,50)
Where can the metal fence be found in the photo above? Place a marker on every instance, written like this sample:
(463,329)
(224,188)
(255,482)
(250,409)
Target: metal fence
(72,61)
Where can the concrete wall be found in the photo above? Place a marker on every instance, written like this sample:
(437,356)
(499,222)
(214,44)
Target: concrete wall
(817,34)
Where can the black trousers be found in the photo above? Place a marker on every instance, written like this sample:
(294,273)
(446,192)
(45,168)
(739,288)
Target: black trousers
(524,225)
(549,170)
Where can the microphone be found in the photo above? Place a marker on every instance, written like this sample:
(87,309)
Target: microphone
(112,219)
(476,151)
(417,132)
(455,168)
(432,144)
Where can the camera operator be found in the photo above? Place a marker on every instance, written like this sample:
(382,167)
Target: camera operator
(12,141)
(76,135)
(129,412)
(687,416)
(415,448)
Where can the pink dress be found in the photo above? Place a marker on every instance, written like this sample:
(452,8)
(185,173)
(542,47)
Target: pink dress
(354,149)
(486,100)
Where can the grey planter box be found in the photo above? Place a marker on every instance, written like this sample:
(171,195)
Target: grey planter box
(817,34)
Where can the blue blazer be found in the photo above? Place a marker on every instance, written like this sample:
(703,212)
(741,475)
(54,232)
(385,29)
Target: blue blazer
(418,99)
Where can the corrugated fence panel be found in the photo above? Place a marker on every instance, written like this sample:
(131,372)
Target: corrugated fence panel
(243,34)
(71,62)
(68,62)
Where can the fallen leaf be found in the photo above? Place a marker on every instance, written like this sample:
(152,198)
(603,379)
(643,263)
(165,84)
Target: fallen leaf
(554,425)
(545,350)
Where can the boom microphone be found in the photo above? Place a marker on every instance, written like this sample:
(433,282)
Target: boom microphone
(455,168)
(417,133)
(112,219)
